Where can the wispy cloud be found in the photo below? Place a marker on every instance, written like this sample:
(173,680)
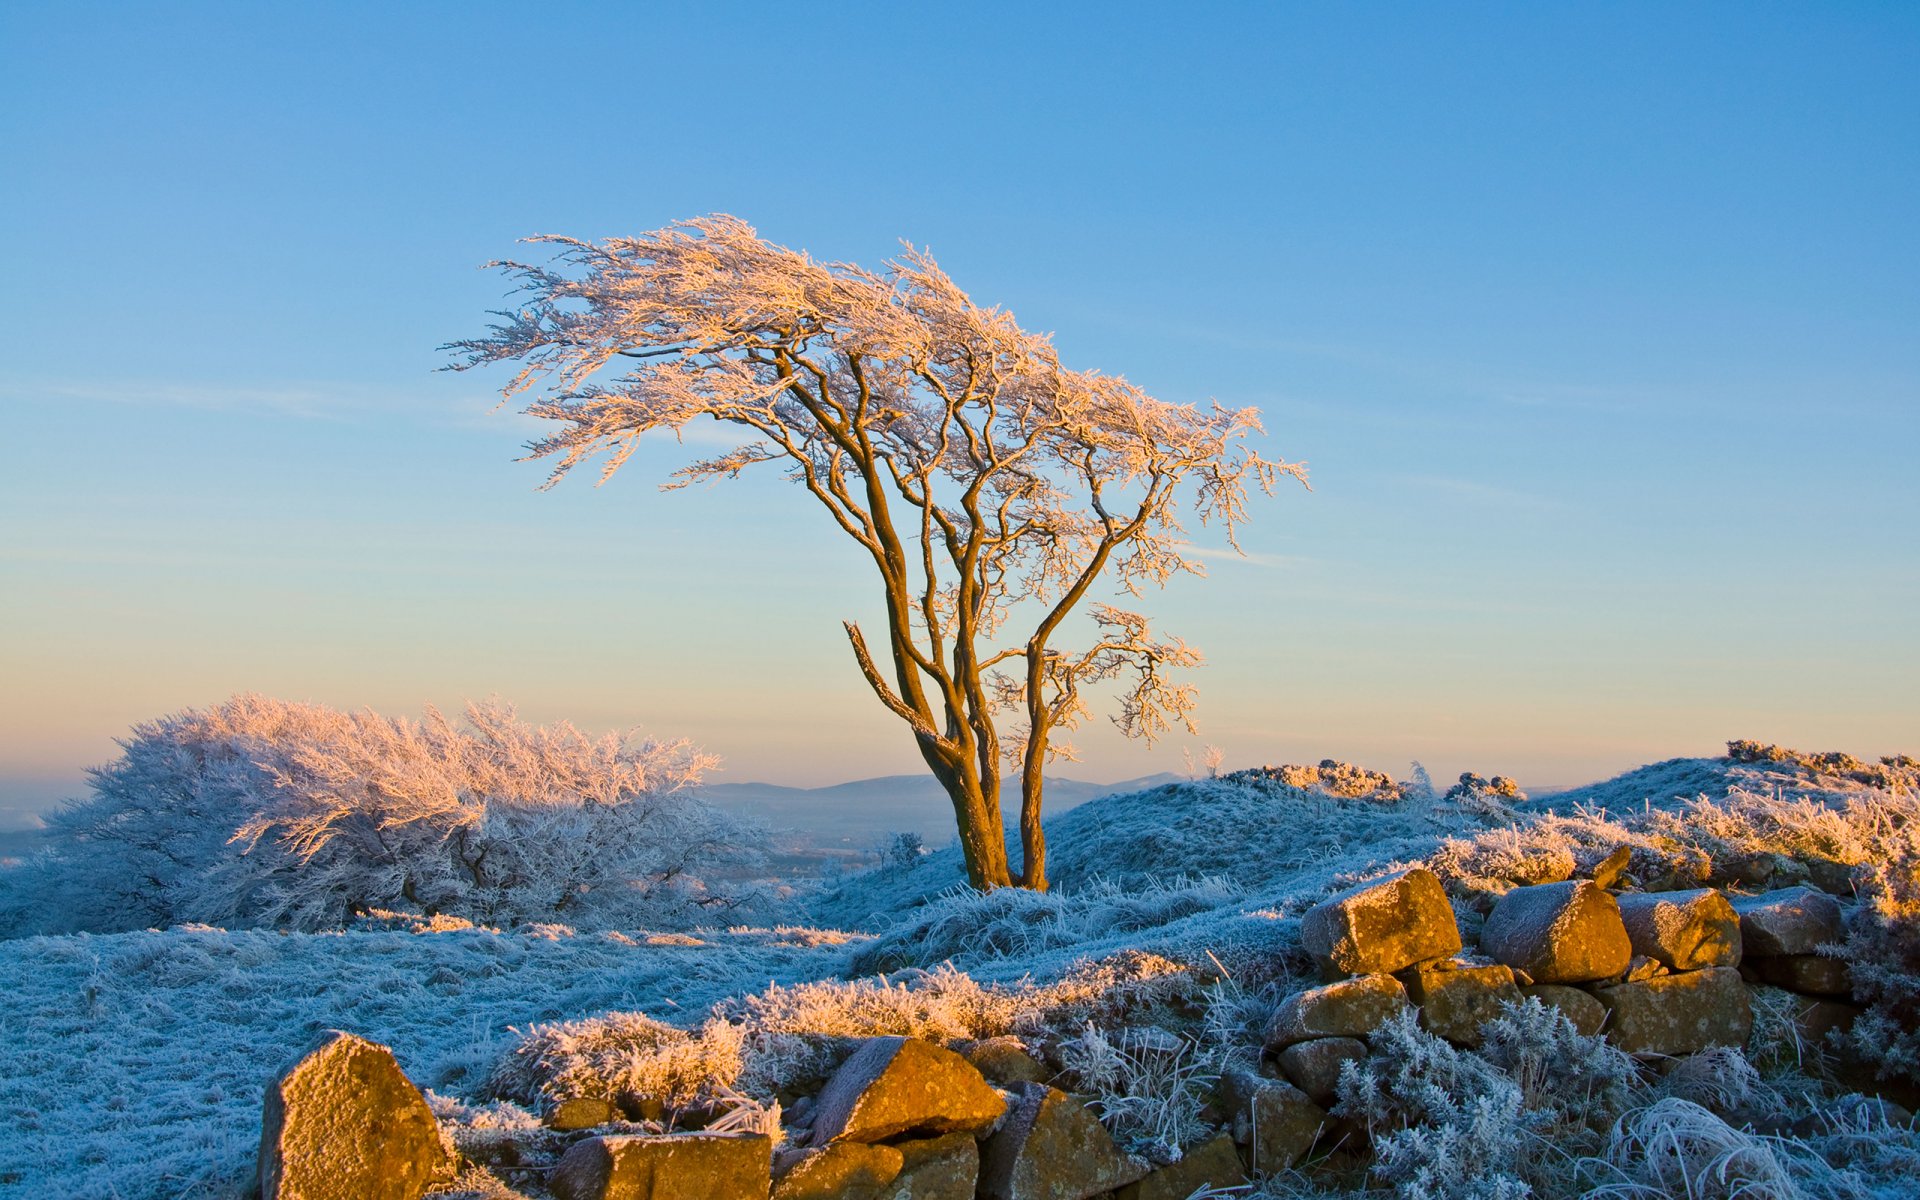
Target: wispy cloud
(1252,558)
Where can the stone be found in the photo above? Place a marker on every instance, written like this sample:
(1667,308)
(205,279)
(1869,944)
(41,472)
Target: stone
(1678,1014)
(1004,1061)
(1559,932)
(1050,1147)
(578,1112)
(1456,999)
(1314,1067)
(1812,974)
(1608,871)
(893,1086)
(1684,931)
(1382,927)
(673,1166)
(1212,1164)
(1644,967)
(1586,1014)
(942,1168)
(842,1171)
(1274,1120)
(1790,921)
(345,1123)
(1814,1021)
(1350,1008)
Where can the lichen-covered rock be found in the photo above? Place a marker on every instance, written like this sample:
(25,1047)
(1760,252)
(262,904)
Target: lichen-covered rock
(1795,920)
(1212,1164)
(1813,974)
(1567,932)
(893,1086)
(1586,1014)
(1314,1067)
(1685,931)
(578,1112)
(1382,927)
(345,1123)
(674,1166)
(1608,872)
(1456,998)
(1050,1147)
(942,1168)
(1350,1008)
(842,1171)
(1274,1120)
(1004,1061)
(1678,1014)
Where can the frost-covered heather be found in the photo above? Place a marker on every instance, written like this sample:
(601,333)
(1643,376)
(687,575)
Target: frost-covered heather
(132,1065)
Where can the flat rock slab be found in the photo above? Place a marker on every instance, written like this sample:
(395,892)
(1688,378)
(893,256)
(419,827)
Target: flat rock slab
(1051,1147)
(894,1086)
(1314,1067)
(1684,931)
(1349,1008)
(1455,999)
(1567,932)
(1812,974)
(345,1123)
(1212,1164)
(1276,1121)
(674,1166)
(1383,926)
(1678,1014)
(842,1171)
(1795,920)
(1587,1015)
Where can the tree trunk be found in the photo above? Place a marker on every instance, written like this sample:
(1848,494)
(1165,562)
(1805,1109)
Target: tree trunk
(981,840)
(1033,839)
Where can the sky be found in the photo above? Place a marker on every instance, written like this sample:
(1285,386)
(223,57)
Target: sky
(1598,328)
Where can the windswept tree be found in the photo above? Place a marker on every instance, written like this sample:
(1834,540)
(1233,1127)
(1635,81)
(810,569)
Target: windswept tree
(991,487)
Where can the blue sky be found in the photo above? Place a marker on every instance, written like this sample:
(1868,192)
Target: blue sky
(1596,325)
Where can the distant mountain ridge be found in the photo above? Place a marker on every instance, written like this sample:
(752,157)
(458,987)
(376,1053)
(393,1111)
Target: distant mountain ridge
(866,810)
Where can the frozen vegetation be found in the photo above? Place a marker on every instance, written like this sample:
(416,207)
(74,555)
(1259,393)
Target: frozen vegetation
(133,1061)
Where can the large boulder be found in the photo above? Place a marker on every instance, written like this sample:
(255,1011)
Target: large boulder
(1383,926)
(1567,932)
(1456,998)
(1795,920)
(1051,1147)
(893,1086)
(1349,1008)
(674,1166)
(345,1123)
(1212,1164)
(1314,1067)
(1276,1122)
(842,1171)
(1678,1014)
(1685,931)
(942,1168)
(1004,1061)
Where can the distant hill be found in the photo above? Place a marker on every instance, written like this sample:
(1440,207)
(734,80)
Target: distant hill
(865,811)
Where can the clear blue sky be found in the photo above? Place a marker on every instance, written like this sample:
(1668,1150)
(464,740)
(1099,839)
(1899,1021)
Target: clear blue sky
(1599,326)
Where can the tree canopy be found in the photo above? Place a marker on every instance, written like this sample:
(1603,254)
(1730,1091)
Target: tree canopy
(991,487)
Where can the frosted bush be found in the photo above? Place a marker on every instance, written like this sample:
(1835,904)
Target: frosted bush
(1883,955)
(620,1052)
(262,812)
(1148,1085)
(1568,1082)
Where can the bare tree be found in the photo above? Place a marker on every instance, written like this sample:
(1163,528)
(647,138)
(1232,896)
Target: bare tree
(985,480)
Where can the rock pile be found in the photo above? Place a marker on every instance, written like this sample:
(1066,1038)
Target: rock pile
(1659,973)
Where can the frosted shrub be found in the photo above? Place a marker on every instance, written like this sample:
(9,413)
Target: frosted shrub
(1445,1124)
(1147,1084)
(1567,1081)
(620,1052)
(1883,954)
(263,812)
